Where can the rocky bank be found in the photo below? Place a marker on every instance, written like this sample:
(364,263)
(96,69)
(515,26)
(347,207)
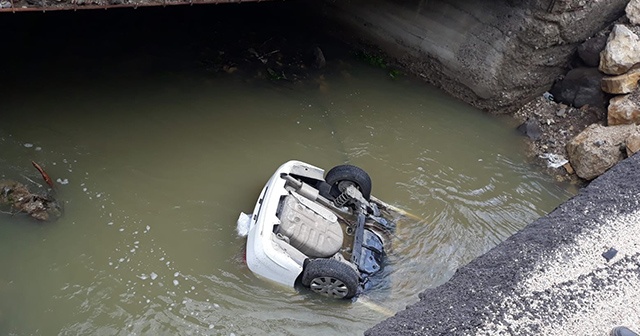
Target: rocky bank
(586,123)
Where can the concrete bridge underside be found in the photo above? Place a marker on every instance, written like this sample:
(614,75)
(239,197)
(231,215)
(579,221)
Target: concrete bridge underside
(56,5)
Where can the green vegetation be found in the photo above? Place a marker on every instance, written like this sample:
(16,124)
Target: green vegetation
(372,59)
(378,61)
(273,75)
(395,73)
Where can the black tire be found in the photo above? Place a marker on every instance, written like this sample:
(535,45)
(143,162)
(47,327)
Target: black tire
(332,278)
(340,176)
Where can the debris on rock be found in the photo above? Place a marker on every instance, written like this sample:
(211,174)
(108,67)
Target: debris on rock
(554,160)
(569,121)
(15,198)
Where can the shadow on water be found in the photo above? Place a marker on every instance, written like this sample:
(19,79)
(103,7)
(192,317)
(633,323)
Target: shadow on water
(160,126)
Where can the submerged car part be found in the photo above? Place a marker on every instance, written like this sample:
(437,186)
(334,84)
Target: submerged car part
(328,232)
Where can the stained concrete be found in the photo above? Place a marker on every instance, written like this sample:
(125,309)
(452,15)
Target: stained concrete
(494,54)
(575,271)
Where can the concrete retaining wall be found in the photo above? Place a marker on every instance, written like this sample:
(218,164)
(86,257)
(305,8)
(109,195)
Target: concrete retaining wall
(494,54)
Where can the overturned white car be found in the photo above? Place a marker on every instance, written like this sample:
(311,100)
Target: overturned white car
(327,232)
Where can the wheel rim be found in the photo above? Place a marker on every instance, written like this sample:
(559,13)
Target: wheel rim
(330,287)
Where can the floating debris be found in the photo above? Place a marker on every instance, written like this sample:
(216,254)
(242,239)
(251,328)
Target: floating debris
(19,199)
(554,160)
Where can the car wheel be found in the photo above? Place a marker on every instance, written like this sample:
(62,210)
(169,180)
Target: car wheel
(332,278)
(340,177)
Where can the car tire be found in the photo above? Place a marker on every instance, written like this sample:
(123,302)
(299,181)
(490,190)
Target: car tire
(332,278)
(340,176)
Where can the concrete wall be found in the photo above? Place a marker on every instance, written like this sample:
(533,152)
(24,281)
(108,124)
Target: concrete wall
(494,54)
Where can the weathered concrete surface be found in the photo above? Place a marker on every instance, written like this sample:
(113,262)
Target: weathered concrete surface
(494,54)
(59,5)
(549,279)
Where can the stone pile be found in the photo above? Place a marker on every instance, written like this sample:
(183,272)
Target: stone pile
(598,147)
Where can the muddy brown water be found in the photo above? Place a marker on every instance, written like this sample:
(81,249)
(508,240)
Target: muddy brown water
(155,158)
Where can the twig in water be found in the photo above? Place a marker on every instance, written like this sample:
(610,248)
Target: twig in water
(44,174)
(32,181)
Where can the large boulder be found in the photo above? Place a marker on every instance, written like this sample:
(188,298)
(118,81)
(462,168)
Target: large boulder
(622,51)
(581,86)
(622,84)
(589,51)
(633,11)
(624,110)
(598,148)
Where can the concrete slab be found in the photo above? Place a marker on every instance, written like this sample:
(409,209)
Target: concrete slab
(575,271)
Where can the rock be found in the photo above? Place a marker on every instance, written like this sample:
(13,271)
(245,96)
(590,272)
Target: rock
(622,84)
(623,110)
(581,86)
(622,51)
(589,51)
(632,143)
(597,148)
(229,68)
(568,168)
(531,128)
(319,61)
(633,11)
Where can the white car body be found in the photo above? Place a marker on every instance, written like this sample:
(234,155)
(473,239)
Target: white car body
(326,231)
(267,255)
